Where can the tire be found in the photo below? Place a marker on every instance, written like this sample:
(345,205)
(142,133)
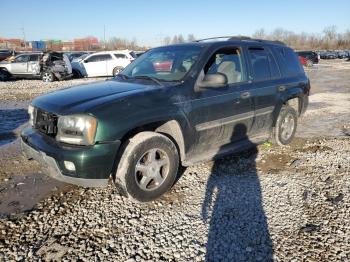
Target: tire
(4,76)
(309,63)
(148,166)
(286,125)
(48,76)
(76,74)
(117,70)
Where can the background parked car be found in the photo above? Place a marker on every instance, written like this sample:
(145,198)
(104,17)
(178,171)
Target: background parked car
(302,60)
(342,54)
(5,53)
(23,65)
(74,55)
(310,57)
(49,66)
(329,55)
(108,63)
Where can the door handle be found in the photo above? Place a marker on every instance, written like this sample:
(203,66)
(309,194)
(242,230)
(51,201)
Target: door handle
(245,95)
(281,88)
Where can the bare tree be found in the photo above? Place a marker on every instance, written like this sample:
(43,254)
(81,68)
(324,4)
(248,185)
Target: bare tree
(190,38)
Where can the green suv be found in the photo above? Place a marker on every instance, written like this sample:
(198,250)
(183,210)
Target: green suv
(174,105)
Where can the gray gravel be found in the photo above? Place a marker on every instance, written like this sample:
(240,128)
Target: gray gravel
(281,204)
(289,204)
(20,90)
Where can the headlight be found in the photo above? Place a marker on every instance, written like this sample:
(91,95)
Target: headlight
(76,129)
(31,114)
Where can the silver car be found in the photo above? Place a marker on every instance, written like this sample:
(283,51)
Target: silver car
(22,65)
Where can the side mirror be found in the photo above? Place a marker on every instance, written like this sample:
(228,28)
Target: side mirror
(85,61)
(213,81)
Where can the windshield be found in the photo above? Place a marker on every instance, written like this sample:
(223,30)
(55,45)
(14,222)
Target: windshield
(166,63)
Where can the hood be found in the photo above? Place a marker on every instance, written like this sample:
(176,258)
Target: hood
(79,99)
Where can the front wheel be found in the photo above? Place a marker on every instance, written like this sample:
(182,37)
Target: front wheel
(48,76)
(4,76)
(148,166)
(286,125)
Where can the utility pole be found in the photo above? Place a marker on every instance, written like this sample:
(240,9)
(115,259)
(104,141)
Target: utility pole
(24,37)
(104,37)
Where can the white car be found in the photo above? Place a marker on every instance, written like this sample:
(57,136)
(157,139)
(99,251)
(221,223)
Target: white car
(108,63)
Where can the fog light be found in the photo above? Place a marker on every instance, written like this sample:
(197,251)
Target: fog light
(69,165)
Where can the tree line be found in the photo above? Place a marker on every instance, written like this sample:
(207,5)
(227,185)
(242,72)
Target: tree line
(329,39)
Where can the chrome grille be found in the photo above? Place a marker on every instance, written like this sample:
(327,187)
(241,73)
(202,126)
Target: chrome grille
(45,122)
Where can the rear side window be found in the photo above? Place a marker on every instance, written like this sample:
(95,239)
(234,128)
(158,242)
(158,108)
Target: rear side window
(288,61)
(120,56)
(263,64)
(34,58)
(99,58)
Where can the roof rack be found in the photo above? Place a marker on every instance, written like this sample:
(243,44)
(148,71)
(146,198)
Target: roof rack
(241,38)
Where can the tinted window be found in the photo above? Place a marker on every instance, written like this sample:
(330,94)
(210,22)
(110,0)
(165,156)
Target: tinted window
(226,61)
(259,60)
(34,58)
(99,58)
(22,58)
(288,61)
(120,56)
(274,70)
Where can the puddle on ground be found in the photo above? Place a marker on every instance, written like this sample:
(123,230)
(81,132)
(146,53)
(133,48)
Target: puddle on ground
(10,120)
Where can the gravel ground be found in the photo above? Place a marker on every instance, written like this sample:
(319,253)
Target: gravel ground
(280,204)
(271,203)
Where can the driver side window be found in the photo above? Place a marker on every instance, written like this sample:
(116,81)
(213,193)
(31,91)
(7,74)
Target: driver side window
(226,61)
(22,59)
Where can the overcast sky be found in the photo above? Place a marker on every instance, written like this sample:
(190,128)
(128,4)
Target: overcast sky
(151,21)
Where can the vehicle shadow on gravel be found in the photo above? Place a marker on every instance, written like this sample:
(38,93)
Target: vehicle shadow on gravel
(238,229)
(10,120)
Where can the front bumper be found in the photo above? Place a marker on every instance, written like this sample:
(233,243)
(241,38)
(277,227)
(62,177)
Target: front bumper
(93,164)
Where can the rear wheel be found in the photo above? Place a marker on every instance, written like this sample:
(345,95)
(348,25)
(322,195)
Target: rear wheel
(148,166)
(48,76)
(117,70)
(286,126)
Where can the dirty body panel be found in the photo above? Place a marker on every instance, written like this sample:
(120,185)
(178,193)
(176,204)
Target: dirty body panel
(204,122)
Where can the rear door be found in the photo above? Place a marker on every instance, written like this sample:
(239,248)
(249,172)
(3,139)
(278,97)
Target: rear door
(33,64)
(19,66)
(122,60)
(266,77)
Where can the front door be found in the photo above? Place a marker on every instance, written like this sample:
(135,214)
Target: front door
(19,66)
(223,115)
(96,65)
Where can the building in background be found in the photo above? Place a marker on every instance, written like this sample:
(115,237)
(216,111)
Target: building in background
(81,44)
(86,44)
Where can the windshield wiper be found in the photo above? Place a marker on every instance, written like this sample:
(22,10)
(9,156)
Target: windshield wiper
(154,79)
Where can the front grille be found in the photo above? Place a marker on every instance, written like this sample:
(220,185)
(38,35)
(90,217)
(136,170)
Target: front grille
(45,122)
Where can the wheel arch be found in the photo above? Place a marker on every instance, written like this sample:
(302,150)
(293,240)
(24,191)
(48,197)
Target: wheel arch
(293,100)
(170,128)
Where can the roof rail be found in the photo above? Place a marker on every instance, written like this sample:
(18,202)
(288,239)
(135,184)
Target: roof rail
(242,38)
(212,38)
